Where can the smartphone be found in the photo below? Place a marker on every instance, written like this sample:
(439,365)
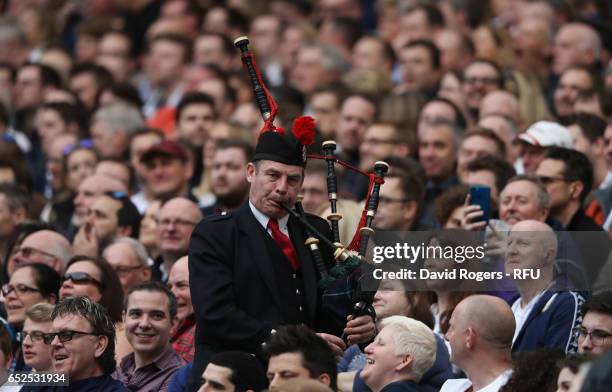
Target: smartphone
(481,195)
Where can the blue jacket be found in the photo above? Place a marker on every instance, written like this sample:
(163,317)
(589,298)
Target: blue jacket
(432,379)
(551,322)
(180,379)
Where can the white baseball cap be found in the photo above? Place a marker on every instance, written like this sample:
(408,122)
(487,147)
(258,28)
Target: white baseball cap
(547,134)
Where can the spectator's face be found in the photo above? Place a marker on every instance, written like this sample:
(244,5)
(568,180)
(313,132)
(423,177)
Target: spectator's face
(435,112)
(35,249)
(600,325)
(165,63)
(566,379)
(479,79)
(77,357)
(532,156)
(573,84)
(414,25)
(217,378)
(486,178)
(368,55)
(84,85)
(381,360)
(124,261)
(49,125)
(28,88)
(108,143)
(23,295)
(437,151)
(451,88)
(378,143)
(36,353)
(525,250)
(195,122)
(309,72)
(356,115)
(148,225)
(454,220)
(88,191)
(390,300)
(79,165)
(274,184)
(167,176)
(474,147)
(325,109)
(8,219)
(455,335)
(208,49)
(104,220)
(284,367)
(138,146)
(518,201)
(148,324)
(559,189)
(417,69)
(314,191)
(394,212)
(228,175)
(568,49)
(114,54)
(178,283)
(608,145)
(175,224)
(87,281)
(580,142)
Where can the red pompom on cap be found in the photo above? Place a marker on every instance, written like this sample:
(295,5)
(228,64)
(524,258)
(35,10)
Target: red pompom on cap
(303,130)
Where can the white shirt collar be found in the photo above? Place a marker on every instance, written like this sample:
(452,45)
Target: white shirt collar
(263,219)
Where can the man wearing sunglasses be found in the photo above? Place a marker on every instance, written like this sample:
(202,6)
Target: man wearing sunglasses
(595,333)
(83,345)
(45,246)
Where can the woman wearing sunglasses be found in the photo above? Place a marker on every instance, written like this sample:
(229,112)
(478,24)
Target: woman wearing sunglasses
(95,278)
(29,285)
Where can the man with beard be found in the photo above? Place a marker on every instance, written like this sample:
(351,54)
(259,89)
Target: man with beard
(227,175)
(575,83)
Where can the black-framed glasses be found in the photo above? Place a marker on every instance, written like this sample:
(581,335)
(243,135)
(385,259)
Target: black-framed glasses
(65,335)
(598,337)
(19,288)
(81,278)
(35,336)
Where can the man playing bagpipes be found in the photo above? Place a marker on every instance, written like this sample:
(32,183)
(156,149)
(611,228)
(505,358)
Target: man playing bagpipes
(251,271)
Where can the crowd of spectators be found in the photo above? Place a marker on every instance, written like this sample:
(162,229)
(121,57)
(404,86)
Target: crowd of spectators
(123,124)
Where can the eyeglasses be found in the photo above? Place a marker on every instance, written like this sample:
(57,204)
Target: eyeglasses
(484,80)
(125,269)
(598,337)
(81,278)
(86,143)
(28,252)
(388,200)
(177,222)
(65,335)
(19,288)
(35,336)
(547,180)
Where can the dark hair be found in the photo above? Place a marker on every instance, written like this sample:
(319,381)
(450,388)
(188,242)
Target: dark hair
(246,147)
(154,287)
(111,290)
(573,362)
(433,14)
(69,113)
(459,117)
(502,170)
(100,321)
(498,70)
(5,341)
(434,52)
(591,126)
(125,91)
(487,134)
(15,197)
(192,99)
(534,371)
(317,356)
(102,75)
(177,39)
(247,372)
(48,75)
(127,214)
(576,167)
(450,199)
(411,186)
(46,279)
(601,303)
(226,43)
(365,97)
(599,376)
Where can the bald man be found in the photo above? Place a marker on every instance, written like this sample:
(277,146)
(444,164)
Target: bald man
(480,332)
(576,44)
(44,246)
(176,220)
(545,316)
(502,103)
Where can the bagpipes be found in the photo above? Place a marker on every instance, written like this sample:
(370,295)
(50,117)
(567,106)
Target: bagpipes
(342,285)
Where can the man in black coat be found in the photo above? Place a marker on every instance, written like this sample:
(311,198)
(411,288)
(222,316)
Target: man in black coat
(250,271)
